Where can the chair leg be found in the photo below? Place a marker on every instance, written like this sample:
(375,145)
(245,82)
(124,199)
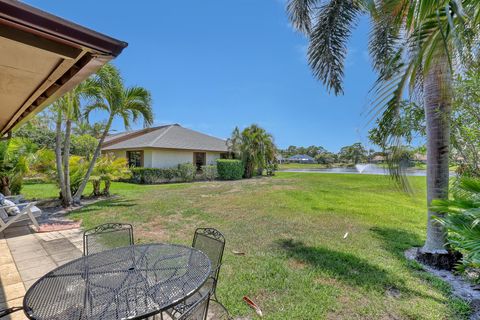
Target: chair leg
(32,218)
(214,298)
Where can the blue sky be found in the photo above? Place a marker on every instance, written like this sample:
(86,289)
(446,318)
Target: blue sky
(211,65)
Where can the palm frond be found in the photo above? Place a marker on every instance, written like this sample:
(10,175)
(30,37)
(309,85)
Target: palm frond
(328,42)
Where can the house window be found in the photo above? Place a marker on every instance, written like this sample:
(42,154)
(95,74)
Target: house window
(135,158)
(199,160)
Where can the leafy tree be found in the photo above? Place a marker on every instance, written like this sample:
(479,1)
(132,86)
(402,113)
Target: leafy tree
(465,136)
(84,145)
(355,153)
(234,143)
(414,45)
(408,124)
(38,131)
(326,158)
(16,154)
(126,103)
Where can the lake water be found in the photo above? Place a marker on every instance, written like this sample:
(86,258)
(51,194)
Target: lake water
(359,169)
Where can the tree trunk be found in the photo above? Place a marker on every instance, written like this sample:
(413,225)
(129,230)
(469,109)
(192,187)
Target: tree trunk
(78,194)
(58,156)
(66,164)
(5,186)
(437,103)
(96,187)
(106,190)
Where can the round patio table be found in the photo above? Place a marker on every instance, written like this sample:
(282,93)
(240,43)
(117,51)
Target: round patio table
(132,282)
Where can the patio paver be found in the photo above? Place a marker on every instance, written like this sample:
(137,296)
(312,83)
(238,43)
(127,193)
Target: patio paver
(26,256)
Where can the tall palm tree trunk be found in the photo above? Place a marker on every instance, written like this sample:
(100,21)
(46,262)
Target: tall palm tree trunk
(58,156)
(66,163)
(437,102)
(78,193)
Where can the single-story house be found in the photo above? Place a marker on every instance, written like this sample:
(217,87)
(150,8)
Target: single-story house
(378,159)
(301,158)
(421,158)
(165,147)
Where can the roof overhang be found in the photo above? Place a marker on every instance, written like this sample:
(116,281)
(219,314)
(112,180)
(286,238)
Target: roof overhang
(42,57)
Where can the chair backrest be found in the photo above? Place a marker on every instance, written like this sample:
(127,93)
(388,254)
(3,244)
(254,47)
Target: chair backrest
(198,311)
(107,236)
(211,242)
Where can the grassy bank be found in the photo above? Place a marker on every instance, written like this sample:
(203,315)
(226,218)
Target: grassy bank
(292,227)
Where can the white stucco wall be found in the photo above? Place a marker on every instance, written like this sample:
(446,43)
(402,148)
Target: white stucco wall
(172,158)
(163,158)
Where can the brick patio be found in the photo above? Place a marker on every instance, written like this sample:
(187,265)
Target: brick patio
(26,256)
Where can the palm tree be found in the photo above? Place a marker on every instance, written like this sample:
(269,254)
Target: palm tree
(126,103)
(257,149)
(414,45)
(68,110)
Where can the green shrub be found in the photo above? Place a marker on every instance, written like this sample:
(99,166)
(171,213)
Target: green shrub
(209,172)
(153,175)
(229,169)
(461,220)
(186,172)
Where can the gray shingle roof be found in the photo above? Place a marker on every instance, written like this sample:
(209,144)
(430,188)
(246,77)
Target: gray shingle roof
(166,137)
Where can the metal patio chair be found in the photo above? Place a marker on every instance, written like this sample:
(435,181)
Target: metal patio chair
(211,242)
(198,310)
(107,236)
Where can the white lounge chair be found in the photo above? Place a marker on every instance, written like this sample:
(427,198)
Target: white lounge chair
(27,210)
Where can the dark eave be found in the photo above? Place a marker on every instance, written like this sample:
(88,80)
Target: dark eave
(74,53)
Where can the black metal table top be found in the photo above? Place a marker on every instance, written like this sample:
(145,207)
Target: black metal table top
(124,283)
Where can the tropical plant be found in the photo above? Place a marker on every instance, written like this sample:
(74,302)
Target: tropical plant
(257,150)
(414,45)
(68,110)
(108,168)
(462,220)
(15,156)
(127,103)
(82,127)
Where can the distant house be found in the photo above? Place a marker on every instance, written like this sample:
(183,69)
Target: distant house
(421,158)
(165,147)
(301,158)
(280,158)
(378,159)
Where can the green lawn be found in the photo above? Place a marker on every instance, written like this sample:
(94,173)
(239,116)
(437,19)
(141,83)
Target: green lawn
(291,227)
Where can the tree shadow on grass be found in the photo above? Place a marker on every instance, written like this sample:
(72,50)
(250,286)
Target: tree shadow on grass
(108,203)
(343,266)
(396,241)
(351,269)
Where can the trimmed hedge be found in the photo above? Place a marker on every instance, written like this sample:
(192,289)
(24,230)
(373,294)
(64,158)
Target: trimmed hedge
(184,172)
(153,175)
(229,169)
